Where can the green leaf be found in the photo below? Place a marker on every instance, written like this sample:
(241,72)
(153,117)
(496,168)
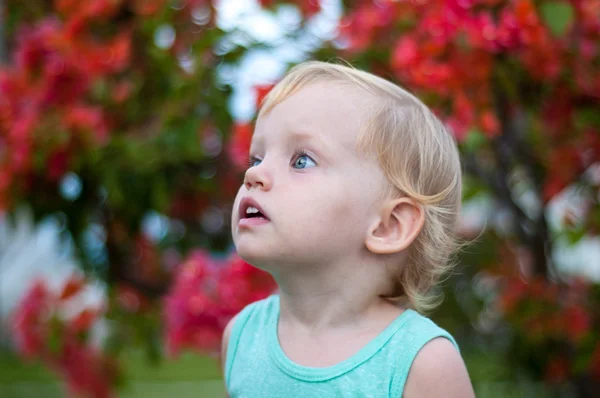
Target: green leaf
(160,193)
(558,15)
(575,235)
(472,187)
(475,139)
(587,117)
(55,337)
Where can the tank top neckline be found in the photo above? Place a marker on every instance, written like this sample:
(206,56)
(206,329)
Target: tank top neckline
(317,374)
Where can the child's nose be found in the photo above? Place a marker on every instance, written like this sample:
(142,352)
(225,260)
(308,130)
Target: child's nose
(258,177)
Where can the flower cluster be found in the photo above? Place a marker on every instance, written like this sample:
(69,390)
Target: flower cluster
(455,48)
(49,104)
(67,87)
(45,328)
(556,320)
(206,294)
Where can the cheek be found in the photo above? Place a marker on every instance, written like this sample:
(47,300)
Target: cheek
(334,208)
(351,205)
(235,207)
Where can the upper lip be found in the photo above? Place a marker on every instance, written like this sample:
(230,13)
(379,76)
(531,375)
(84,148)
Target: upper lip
(246,202)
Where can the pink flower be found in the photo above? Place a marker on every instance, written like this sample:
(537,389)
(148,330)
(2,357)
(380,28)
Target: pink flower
(206,294)
(35,47)
(405,53)
(63,83)
(87,119)
(29,323)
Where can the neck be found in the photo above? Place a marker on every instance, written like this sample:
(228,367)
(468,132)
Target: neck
(332,296)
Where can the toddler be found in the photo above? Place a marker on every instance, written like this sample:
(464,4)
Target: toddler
(350,201)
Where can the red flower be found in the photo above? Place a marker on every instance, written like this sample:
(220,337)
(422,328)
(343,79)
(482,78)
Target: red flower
(490,124)
(514,291)
(261,92)
(242,284)
(309,7)
(482,32)
(89,8)
(72,288)
(563,164)
(205,295)
(577,322)
(86,119)
(148,7)
(57,165)
(405,53)
(110,57)
(83,321)
(360,27)
(35,48)
(22,128)
(266,3)
(88,371)
(29,325)
(63,81)
(239,144)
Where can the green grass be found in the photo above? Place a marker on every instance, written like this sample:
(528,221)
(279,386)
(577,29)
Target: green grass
(187,376)
(208,389)
(187,367)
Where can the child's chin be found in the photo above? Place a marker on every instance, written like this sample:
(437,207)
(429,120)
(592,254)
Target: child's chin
(252,256)
(256,258)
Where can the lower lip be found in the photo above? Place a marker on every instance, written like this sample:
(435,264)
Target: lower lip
(252,222)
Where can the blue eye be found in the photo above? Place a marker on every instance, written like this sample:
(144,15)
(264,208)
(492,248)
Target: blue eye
(253,161)
(303,161)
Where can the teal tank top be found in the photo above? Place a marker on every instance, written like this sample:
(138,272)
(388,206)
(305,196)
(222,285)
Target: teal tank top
(257,367)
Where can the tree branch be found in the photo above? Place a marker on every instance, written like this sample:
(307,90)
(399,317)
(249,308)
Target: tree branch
(509,149)
(495,182)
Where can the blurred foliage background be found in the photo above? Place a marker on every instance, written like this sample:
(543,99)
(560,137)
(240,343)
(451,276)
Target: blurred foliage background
(124,126)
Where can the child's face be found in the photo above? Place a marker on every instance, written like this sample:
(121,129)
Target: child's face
(317,197)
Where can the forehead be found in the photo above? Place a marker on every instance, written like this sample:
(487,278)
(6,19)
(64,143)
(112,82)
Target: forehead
(330,111)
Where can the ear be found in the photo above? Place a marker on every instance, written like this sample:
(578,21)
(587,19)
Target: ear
(397,227)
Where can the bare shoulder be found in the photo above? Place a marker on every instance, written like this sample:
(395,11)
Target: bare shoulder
(438,371)
(225,339)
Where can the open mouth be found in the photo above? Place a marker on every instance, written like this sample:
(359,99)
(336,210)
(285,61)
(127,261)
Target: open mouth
(250,210)
(253,212)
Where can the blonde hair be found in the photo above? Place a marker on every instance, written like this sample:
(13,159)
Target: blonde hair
(418,156)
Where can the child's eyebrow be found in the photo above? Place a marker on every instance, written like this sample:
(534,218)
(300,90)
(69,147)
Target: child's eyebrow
(303,136)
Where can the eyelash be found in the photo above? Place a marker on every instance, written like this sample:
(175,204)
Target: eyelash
(300,152)
(250,161)
(297,154)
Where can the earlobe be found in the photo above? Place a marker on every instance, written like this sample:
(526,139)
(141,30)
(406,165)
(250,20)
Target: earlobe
(398,226)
